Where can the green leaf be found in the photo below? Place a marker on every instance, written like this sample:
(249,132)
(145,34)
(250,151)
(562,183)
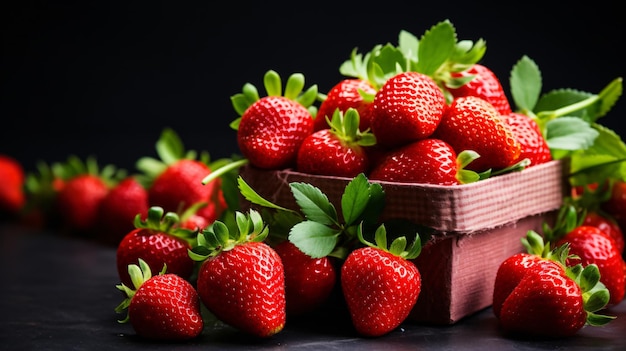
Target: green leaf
(314,204)
(435,47)
(570,133)
(526,84)
(408,44)
(560,98)
(609,95)
(249,194)
(355,198)
(313,238)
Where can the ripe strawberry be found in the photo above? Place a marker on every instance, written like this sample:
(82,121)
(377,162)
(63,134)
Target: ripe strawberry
(535,294)
(85,186)
(380,285)
(118,210)
(160,307)
(348,93)
(471,123)
(338,151)
(527,132)
(308,281)
(483,84)
(615,205)
(12,178)
(175,182)
(271,128)
(241,279)
(408,107)
(431,161)
(606,225)
(159,241)
(591,245)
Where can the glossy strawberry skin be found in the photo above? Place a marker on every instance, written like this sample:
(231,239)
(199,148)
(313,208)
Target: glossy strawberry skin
(593,246)
(323,153)
(380,290)
(245,288)
(308,281)
(157,249)
(342,96)
(545,303)
(271,130)
(485,85)
(118,210)
(408,107)
(78,202)
(430,160)
(12,177)
(471,123)
(533,145)
(166,307)
(180,186)
(608,226)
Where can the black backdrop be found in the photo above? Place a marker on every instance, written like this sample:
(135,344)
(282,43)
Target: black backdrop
(104,78)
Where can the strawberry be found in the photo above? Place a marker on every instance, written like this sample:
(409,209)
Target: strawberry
(590,245)
(534,146)
(348,93)
(175,182)
(85,187)
(270,129)
(483,84)
(160,307)
(380,285)
(535,294)
(308,281)
(471,123)
(408,107)
(118,210)
(241,279)
(430,160)
(12,179)
(338,151)
(607,225)
(615,205)
(159,240)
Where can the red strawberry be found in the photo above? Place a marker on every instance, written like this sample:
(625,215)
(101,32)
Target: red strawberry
(308,281)
(158,240)
(606,225)
(429,160)
(12,178)
(85,186)
(176,181)
(380,285)
(408,107)
(161,307)
(348,93)
(483,84)
(338,151)
(591,245)
(241,279)
(527,132)
(271,128)
(471,123)
(615,205)
(118,210)
(536,295)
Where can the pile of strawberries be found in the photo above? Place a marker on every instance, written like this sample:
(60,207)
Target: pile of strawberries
(422,111)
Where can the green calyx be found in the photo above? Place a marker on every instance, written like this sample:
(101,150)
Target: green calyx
(218,237)
(139,274)
(398,246)
(273,86)
(535,245)
(168,223)
(346,127)
(75,166)
(595,294)
(568,218)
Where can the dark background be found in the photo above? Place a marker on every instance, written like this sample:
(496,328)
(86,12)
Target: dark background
(104,78)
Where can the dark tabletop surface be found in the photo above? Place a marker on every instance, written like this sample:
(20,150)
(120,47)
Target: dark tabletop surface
(58,293)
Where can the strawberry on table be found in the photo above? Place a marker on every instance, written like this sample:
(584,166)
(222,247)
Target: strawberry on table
(158,240)
(270,129)
(12,193)
(381,284)
(241,279)
(338,150)
(408,107)
(160,307)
